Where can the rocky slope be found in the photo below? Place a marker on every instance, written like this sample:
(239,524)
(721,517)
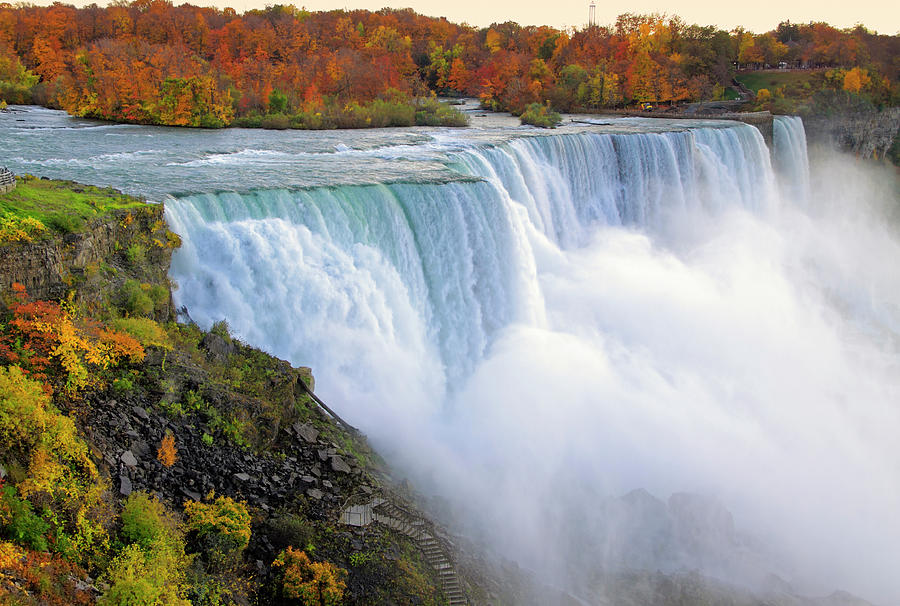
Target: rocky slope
(241,424)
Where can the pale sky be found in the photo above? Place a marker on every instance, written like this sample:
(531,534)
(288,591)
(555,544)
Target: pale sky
(882,16)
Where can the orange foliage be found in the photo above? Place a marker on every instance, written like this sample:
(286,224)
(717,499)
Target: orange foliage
(152,62)
(167,453)
(49,578)
(46,339)
(312,583)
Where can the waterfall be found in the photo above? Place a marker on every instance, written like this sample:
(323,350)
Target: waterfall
(789,151)
(579,315)
(436,270)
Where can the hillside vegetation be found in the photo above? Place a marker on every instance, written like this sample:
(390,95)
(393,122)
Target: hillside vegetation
(151,62)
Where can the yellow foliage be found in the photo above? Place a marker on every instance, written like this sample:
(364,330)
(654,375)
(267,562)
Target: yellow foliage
(61,473)
(19,229)
(224,517)
(10,555)
(856,79)
(763,95)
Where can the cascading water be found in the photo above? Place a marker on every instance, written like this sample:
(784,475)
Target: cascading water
(441,268)
(584,315)
(789,150)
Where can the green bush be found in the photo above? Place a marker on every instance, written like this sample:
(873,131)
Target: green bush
(19,523)
(148,332)
(276,122)
(248,121)
(287,529)
(135,300)
(136,254)
(139,577)
(153,568)
(122,385)
(540,115)
(64,223)
(146,521)
(432,112)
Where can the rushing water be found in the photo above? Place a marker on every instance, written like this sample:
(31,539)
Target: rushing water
(530,324)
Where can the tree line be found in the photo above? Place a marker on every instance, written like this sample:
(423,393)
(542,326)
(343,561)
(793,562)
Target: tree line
(148,61)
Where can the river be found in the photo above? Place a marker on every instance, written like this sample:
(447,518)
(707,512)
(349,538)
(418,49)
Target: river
(532,323)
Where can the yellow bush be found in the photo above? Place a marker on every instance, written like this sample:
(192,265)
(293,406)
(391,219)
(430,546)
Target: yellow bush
(10,555)
(312,583)
(20,229)
(224,516)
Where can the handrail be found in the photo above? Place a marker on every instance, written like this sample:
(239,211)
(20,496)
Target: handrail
(324,406)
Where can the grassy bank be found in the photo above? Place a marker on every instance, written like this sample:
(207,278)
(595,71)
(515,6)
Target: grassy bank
(37,207)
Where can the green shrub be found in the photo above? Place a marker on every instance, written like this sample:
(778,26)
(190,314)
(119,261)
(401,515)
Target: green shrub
(64,223)
(159,294)
(432,112)
(287,529)
(20,524)
(276,122)
(122,385)
(540,115)
(221,329)
(148,332)
(248,121)
(146,521)
(151,577)
(135,300)
(136,254)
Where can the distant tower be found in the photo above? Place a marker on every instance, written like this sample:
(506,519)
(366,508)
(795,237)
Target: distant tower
(592,10)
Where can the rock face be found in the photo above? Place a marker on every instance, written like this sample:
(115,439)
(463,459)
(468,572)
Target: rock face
(50,268)
(865,134)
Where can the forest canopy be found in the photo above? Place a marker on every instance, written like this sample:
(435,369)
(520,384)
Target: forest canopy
(151,62)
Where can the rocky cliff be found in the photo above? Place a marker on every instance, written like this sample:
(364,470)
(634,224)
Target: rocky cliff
(95,261)
(868,134)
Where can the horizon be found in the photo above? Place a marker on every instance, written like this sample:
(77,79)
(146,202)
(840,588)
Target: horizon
(574,14)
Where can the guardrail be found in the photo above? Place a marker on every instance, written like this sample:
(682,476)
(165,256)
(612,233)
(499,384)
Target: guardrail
(7,180)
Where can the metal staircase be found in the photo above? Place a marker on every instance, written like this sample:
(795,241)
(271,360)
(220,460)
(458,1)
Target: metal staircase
(435,549)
